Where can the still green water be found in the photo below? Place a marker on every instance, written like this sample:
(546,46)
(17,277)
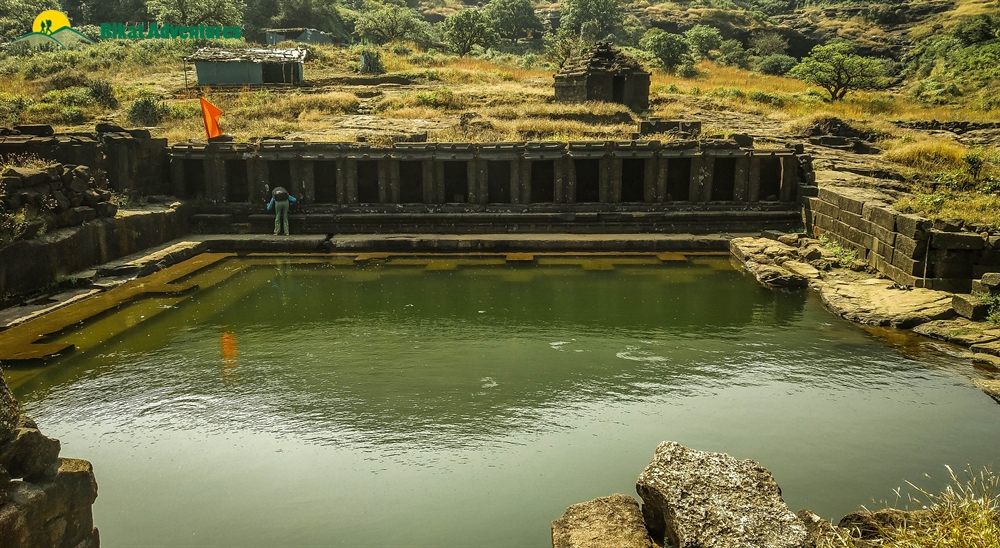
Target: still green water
(307,405)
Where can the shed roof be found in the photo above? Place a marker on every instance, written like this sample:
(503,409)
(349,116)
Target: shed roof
(601,57)
(250,55)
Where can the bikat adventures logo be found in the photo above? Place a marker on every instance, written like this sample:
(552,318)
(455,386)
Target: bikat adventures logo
(52,27)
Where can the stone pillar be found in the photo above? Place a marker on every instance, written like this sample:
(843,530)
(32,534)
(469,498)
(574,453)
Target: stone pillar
(604,192)
(350,181)
(393,167)
(616,180)
(482,180)
(742,179)
(650,180)
(472,180)
(385,172)
(559,179)
(789,178)
(661,179)
(570,181)
(303,179)
(177,177)
(753,181)
(257,176)
(215,179)
(701,178)
(433,179)
(524,191)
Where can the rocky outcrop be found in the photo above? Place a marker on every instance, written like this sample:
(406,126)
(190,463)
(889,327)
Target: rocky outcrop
(991,387)
(605,522)
(695,498)
(880,302)
(959,331)
(44,500)
(57,195)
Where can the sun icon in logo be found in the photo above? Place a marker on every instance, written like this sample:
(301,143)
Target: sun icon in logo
(50,21)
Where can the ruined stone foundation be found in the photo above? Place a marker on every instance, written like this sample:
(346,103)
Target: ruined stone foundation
(44,500)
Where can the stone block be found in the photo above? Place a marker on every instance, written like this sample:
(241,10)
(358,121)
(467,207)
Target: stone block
(604,522)
(907,265)
(854,221)
(695,498)
(979,287)
(91,198)
(883,249)
(884,217)
(76,216)
(880,233)
(829,196)
(956,240)
(10,183)
(912,226)
(106,209)
(28,176)
(38,130)
(915,249)
(951,285)
(944,269)
(991,280)
(29,453)
(970,307)
(853,204)
(947,225)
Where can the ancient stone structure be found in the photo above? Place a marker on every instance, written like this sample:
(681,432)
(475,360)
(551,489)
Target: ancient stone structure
(44,500)
(131,159)
(590,186)
(695,498)
(603,73)
(69,195)
(912,250)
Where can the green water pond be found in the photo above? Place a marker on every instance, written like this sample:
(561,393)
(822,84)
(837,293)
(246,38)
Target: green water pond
(385,404)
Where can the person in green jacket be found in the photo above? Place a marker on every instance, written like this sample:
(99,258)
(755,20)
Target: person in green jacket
(280,198)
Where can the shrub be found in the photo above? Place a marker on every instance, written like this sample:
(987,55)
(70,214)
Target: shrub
(11,107)
(74,97)
(686,70)
(776,64)
(758,96)
(66,78)
(703,39)
(731,53)
(73,115)
(103,94)
(147,111)
(670,49)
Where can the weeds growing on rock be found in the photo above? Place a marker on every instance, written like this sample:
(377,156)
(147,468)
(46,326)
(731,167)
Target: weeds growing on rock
(965,515)
(844,256)
(993,302)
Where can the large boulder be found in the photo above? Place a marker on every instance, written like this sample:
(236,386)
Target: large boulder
(695,499)
(880,302)
(605,522)
(29,453)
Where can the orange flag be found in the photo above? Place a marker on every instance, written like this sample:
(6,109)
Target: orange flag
(211,115)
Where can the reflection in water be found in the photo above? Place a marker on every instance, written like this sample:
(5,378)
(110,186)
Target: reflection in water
(229,354)
(482,397)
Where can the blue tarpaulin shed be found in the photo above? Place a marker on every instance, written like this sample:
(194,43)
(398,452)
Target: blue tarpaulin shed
(217,67)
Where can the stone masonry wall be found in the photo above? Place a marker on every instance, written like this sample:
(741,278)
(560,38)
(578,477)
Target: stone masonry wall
(29,265)
(44,500)
(912,250)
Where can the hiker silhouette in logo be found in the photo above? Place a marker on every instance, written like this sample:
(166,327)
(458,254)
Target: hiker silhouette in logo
(47,26)
(280,199)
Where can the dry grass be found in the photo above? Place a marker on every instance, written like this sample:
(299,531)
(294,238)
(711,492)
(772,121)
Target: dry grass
(927,155)
(963,8)
(968,206)
(965,515)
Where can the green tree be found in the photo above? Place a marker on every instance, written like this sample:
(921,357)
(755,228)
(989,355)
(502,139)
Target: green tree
(318,14)
(388,23)
(776,64)
(731,53)
(607,16)
(837,69)
(769,43)
(512,19)
(468,28)
(976,29)
(703,39)
(670,49)
(197,12)
(563,45)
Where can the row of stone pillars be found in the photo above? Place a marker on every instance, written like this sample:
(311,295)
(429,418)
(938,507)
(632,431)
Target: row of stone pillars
(514,179)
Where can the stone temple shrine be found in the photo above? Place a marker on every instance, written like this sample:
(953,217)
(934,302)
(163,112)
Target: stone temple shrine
(603,73)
